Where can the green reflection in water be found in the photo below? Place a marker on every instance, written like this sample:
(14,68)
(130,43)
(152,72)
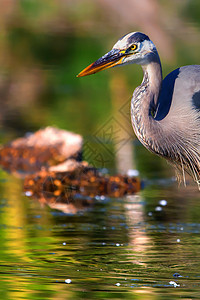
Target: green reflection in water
(116,250)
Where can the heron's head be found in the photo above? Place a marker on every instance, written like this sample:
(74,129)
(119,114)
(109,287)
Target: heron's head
(135,47)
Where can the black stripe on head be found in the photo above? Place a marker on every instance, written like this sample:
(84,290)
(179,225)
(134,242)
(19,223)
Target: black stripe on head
(196,100)
(138,37)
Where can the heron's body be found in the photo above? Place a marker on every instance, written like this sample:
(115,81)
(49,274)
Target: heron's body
(168,122)
(165,113)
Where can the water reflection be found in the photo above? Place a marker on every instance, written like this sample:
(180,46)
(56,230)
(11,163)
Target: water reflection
(115,249)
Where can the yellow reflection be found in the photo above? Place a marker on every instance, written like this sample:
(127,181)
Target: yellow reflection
(13,217)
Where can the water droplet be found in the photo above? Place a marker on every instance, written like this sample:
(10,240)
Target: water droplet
(64,244)
(68,281)
(117,284)
(133,173)
(158,208)
(174,283)
(163,202)
(28,193)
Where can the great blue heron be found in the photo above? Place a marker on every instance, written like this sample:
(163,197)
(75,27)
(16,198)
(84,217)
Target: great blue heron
(165,113)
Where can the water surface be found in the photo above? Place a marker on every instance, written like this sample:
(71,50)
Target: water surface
(136,247)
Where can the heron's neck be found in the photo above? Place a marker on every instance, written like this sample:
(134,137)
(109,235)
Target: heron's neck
(153,74)
(144,102)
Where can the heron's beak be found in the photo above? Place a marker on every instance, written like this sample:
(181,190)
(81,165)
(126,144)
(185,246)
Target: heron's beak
(109,60)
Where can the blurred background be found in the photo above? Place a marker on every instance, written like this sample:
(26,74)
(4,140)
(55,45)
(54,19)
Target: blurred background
(115,248)
(45,44)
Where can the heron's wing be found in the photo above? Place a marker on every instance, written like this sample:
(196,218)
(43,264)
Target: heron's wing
(179,88)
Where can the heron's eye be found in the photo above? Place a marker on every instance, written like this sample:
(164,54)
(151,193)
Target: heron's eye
(133,47)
